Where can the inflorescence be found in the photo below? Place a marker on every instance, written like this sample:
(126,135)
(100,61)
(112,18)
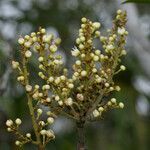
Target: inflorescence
(82,96)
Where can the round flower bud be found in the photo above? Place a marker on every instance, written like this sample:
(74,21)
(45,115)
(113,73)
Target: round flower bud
(122,67)
(18,121)
(36,87)
(15,64)
(17,143)
(28,54)
(83,19)
(121,31)
(94,70)
(97,52)
(20,78)
(57,80)
(70,85)
(83,73)
(81,46)
(123,52)
(27,37)
(39,111)
(40,59)
(62,77)
(117,88)
(97,33)
(80,97)
(101,109)
(47,87)
(106,84)
(109,103)
(78,62)
(43,132)
(28,135)
(96,113)
(82,38)
(121,105)
(9,123)
(21,41)
(99,79)
(42,123)
(53,48)
(60,103)
(48,100)
(28,88)
(69,101)
(50,120)
(95,58)
(113,100)
(111,88)
(57,98)
(119,11)
(51,79)
(96,25)
(9,129)
(27,44)
(43,30)
(109,47)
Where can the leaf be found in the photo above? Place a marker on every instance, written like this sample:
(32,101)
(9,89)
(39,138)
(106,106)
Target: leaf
(136,1)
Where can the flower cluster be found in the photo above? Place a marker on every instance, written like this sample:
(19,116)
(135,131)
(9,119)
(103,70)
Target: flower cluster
(82,96)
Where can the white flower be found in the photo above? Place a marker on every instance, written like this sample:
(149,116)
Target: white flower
(75,52)
(80,97)
(69,101)
(96,25)
(121,31)
(9,122)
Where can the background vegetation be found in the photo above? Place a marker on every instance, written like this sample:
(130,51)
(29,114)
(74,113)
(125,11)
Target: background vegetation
(127,129)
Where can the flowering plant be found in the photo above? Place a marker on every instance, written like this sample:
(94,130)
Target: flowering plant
(83,95)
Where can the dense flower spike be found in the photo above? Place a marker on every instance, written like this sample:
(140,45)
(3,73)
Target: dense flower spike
(79,96)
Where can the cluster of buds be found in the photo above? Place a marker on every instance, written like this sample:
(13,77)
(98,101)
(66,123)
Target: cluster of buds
(13,126)
(82,94)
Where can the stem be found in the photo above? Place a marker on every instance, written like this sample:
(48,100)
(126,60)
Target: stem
(81,136)
(31,108)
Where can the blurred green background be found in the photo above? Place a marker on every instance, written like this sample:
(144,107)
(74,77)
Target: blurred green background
(127,129)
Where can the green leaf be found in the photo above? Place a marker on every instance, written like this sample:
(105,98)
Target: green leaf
(136,1)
